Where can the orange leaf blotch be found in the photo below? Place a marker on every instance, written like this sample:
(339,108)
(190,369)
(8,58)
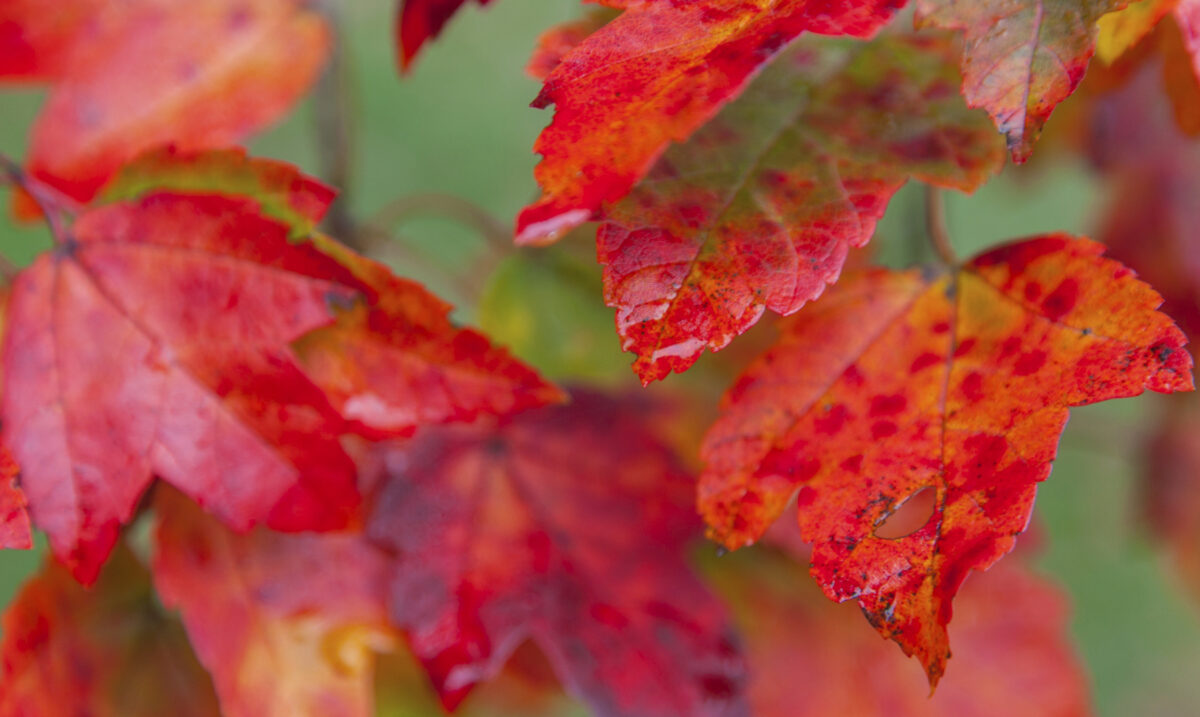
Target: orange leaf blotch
(145,73)
(286,624)
(107,651)
(537,529)
(652,77)
(1022,57)
(157,343)
(979,427)
(760,208)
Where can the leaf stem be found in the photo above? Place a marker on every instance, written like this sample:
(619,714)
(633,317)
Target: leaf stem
(51,202)
(334,130)
(935,225)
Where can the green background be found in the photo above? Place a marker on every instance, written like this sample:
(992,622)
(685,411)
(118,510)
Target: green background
(460,124)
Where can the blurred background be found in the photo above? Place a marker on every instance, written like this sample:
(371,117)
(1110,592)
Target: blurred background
(460,125)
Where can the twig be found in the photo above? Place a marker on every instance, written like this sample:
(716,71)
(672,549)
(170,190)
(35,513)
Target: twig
(497,236)
(52,204)
(935,225)
(334,130)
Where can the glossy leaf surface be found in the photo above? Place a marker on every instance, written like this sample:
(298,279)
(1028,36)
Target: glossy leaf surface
(108,651)
(538,530)
(1021,57)
(285,623)
(651,77)
(760,207)
(896,386)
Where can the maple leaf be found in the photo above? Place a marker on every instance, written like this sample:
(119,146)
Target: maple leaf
(537,529)
(1022,57)
(759,209)
(653,76)
(1012,653)
(392,361)
(285,623)
(895,385)
(105,652)
(156,342)
(420,21)
(132,75)
(1121,30)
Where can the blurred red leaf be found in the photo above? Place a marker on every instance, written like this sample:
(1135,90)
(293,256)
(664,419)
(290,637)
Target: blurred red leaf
(808,658)
(895,386)
(285,623)
(132,75)
(108,651)
(651,77)
(760,207)
(565,526)
(157,340)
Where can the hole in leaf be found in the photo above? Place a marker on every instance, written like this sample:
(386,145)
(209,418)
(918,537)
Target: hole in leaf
(909,516)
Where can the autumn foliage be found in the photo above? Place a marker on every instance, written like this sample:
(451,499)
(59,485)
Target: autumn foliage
(277,476)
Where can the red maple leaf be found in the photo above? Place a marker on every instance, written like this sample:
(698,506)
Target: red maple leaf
(651,77)
(895,385)
(760,207)
(156,340)
(285,623)
(808,658)
(1022,57)
(107,651)
(539,530)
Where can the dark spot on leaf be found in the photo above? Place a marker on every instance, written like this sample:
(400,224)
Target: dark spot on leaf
(883,429)
(1061,300)
(1030,362)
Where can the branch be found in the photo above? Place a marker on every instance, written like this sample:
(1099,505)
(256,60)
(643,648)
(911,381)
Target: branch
(334,130)
(935,225)
(52,203)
